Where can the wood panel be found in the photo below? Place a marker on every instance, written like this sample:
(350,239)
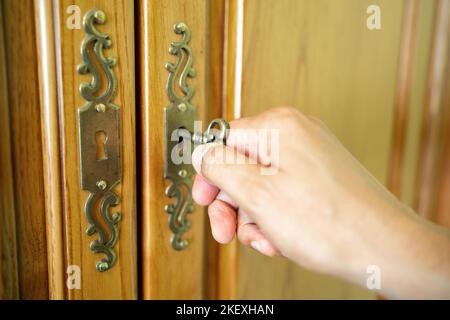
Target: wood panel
(45,44)
(403,94)
(228,255)
(442,213)
(410,76)
(410,95)
(419,75)
(9,283)
(232,59)
(320,57)
(120,282)
(23,93)
(214,85)
(434,135)
(167,273)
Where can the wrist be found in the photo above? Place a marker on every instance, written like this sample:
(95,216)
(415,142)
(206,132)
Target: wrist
(404,249)
(368,238)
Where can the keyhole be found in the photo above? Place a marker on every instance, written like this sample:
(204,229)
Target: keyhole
(181,141)
(100,139)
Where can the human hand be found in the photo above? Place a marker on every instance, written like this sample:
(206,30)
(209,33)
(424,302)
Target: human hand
(295,211)
(321,208)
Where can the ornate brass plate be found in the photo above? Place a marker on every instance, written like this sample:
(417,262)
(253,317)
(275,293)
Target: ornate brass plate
(179,119)
(99,140)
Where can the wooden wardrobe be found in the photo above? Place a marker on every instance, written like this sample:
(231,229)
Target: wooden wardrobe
(383,92)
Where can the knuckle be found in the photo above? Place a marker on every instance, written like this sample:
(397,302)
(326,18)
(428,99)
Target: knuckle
(282,117)
(288,111)
(287,120)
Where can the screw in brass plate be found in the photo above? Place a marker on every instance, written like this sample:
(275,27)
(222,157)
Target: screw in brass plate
(102,266)
(101,184)
(182,173)
(100,107)
(182,107)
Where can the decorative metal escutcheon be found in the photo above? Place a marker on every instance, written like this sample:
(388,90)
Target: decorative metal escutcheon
(99,140)
(179,119)
(180,136)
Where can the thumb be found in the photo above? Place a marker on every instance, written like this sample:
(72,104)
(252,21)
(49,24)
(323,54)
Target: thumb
(231,171)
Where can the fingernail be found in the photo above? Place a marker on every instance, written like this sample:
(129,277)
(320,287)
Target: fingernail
(198,154)
(255,245)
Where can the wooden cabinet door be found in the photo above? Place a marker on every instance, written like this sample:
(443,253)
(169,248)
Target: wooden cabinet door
(55,256)
(166,272)
(366,85)
(202,270)
(72,262)
(45,205)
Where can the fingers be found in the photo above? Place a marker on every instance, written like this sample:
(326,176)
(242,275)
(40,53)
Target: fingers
(229,170)
(249,138)
(226,198)
(222,218)
(203,192)
(235,170)
(259,135)
(249,234)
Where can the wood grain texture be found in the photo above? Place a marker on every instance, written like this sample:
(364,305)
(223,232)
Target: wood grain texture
(424,37)
(167,273)
(120,282)
(442,214)
(410,76)
(45,44)
(230,59)
(402,95)
(23,93)
(9,282)
(228,255)
(222,260)
(213,87)
(435,105)
(320,57)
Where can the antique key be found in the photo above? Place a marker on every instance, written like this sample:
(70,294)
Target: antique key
(212,134)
